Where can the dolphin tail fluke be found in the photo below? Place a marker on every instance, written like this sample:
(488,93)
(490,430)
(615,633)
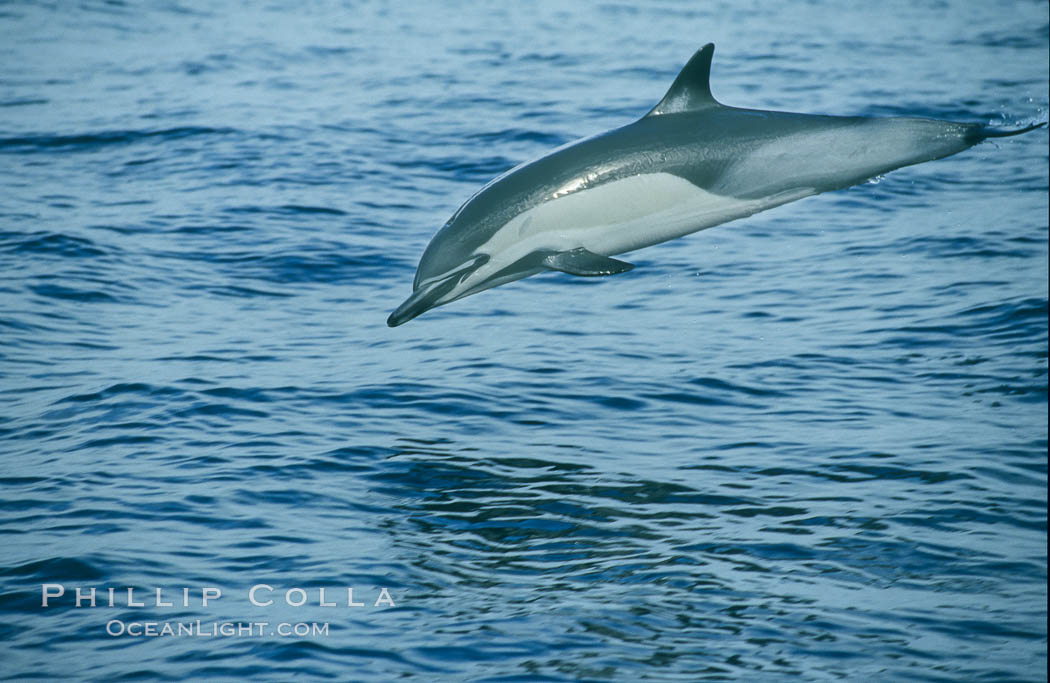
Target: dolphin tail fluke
(985,132)
(998,133)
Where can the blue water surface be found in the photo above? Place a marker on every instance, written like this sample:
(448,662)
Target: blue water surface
(808,445)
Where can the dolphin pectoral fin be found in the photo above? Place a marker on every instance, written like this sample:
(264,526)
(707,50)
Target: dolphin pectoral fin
(587,263)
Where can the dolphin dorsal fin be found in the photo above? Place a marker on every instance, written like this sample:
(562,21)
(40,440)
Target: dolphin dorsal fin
(691,91)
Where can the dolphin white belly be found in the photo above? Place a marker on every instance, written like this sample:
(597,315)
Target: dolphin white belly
(617,217)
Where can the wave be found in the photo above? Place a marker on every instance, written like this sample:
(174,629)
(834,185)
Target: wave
(93,141)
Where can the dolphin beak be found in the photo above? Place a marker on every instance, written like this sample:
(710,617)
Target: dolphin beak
(414,305)
(430,294)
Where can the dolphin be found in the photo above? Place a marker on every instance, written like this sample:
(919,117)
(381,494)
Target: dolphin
(689,164)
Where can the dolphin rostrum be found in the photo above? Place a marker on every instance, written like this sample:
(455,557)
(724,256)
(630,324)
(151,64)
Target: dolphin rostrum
(690,163)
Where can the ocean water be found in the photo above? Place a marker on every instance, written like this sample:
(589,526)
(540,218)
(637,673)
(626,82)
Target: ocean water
(808,445)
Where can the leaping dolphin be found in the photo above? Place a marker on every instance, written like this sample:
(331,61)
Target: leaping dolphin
(690,163)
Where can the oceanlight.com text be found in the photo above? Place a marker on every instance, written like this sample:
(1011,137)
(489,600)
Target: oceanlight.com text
(215,629)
